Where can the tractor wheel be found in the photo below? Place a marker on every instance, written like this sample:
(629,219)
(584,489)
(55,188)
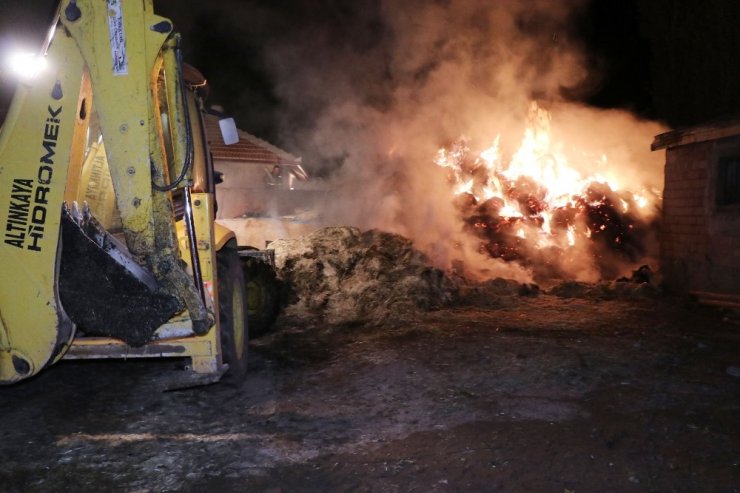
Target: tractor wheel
(232,314)
(262,295)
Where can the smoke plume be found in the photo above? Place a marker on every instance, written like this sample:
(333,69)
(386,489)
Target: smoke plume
(375,108)
(372,91)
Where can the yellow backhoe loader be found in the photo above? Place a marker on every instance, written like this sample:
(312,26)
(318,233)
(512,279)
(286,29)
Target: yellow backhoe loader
(109,246)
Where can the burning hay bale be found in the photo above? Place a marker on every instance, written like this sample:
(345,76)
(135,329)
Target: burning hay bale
(341,275)
(561,215)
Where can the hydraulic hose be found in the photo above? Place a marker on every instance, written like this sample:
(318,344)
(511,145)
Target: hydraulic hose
(188,130)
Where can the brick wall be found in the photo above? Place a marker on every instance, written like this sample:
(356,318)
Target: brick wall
(699,242)
(684,238)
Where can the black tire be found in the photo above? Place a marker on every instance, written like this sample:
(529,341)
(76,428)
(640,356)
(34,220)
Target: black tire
(262,295)
(232,314)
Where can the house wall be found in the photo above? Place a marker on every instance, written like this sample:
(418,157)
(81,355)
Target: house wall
(700,240)
(245,192)
(243,189)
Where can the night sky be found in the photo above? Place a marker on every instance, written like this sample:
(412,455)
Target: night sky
(663,59)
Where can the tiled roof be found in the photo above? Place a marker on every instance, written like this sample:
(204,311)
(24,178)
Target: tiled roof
(249,149)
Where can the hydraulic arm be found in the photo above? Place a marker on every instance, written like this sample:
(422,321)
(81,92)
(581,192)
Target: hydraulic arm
(113,91)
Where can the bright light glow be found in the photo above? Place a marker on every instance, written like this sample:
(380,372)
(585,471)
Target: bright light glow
(510,210)
(546,216)
(641,201)
(26,65)
(571,235)
(465,187)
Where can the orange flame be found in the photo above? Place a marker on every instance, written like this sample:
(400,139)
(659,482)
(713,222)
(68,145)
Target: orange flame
(541,164)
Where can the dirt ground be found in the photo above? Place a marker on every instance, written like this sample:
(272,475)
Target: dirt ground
(530,394)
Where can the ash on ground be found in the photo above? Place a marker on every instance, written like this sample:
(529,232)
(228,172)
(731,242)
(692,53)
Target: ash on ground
(341,275)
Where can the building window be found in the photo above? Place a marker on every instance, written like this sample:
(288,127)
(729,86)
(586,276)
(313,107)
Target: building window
(728,180)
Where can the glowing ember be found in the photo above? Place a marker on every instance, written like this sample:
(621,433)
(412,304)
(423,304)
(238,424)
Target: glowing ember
(538,209)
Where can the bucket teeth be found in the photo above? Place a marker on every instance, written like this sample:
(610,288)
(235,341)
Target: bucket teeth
(81,215)
(76,213)
(86,214)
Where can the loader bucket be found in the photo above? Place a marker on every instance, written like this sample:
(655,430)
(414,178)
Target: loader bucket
(102,289)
